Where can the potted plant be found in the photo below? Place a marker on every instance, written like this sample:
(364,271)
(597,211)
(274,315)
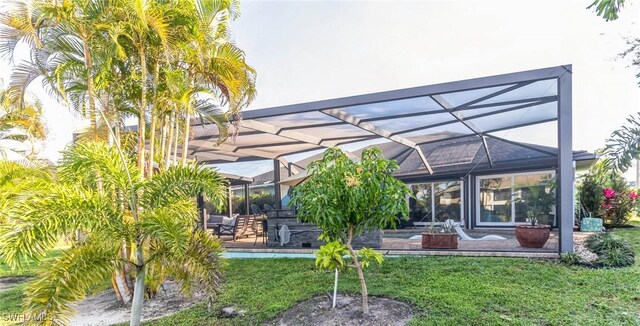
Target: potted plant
(443,237)
(538,200)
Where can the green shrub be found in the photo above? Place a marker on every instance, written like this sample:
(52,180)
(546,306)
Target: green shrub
(616,257)
(570,258)
(611,251)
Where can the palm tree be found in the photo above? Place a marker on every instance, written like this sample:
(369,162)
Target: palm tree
(161,221)
(63,37)
(21,126)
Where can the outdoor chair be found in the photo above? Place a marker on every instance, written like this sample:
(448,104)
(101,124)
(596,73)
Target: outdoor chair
(213,221)
(255,210)
(464,236)
(230,226)
(248,227)
(260,229)
(267,207)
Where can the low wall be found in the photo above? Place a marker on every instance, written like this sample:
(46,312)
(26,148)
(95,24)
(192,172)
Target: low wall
(305,235)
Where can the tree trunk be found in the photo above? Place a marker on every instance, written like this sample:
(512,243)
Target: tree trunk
(163,141)
(335,290)
(142,116)
(122,288)
(138,291)
(114,285)
(90,89)
(170,140)
(152,141)
(356,262)
(154,120)
(185,143)
(175,144)
(117,132)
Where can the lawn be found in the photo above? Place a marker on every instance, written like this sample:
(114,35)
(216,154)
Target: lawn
(444,290)
(11,300)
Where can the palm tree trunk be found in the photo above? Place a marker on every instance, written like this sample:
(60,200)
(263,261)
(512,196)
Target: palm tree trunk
(185,142)
(142,116)
(123,291)
(175,144)
(138,291)
(356,262)
(170,140)
(335,290)
(118,136)
(152,141)
(90,90)
(154,119)
(163,139)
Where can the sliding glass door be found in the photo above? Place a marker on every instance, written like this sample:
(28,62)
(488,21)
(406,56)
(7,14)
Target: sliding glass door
(500,197)
(437,202)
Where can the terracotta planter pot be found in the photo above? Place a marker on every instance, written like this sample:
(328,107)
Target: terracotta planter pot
(439,241)
(532,236)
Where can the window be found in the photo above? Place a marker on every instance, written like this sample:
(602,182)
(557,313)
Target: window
(437,201)
(500,198)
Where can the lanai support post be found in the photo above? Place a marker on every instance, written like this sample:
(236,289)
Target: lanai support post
(565,163)
(276,184)
(246,198)
(230,200)
(202,212)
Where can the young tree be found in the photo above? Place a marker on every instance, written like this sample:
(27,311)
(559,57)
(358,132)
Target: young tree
(345,198)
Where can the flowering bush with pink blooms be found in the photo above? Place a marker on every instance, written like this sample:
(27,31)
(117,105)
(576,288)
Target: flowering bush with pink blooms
(618,206)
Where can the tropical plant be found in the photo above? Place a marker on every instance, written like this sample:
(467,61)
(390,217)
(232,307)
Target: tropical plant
(618,206)
(590,191)
(623,146)
(539,200)
(153,222)
(21,126)
(608,9)
(344,198)
(121,57)
(611,251)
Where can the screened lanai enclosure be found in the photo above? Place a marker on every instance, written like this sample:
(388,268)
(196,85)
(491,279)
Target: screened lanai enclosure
(468,149)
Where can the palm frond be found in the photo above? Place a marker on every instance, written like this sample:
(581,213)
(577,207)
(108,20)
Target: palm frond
(35,225)
(201,266)
(171,225)
(184,181)
(67,279)
(623,146)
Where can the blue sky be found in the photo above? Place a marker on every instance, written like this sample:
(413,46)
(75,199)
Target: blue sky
(305,51)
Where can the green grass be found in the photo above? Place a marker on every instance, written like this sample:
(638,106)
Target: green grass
(445,290)
(29,267)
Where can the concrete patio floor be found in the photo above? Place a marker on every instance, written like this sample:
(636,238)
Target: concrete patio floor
(397,243)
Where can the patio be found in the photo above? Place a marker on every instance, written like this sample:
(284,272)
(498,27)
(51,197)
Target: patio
(459,144)
(397,242)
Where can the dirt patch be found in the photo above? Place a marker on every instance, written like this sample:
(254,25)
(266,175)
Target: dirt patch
(317,311)
(8,283)
(102,309)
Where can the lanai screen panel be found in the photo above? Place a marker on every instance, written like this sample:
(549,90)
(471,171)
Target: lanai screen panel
(413,120)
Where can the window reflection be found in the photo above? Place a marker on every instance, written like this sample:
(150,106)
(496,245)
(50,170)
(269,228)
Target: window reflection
(447,201)
(439,200)
(502,198)
(495,200)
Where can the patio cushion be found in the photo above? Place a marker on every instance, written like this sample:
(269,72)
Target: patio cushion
(229,221)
